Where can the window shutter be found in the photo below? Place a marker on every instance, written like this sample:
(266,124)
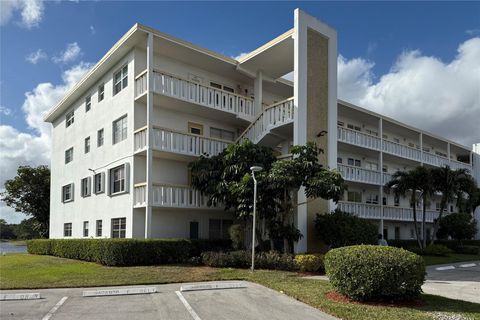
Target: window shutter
(109,182)
(73,191)
(89,186)
(62,196)
(127,177)
(102,182)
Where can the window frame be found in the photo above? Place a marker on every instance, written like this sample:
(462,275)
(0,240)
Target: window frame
(87,145)
(117,224)
(101,92)
(85,229)
(88,103)
(98,228)
(100,137)
(101,177)
(123,129)
(69,118)
(112,180)
(64,193)
(222,133)
(67,230)
(86,187)
(71,157)
(122,80)
(194,125)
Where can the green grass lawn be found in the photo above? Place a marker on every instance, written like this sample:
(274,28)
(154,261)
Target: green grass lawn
(452,258)
(30,271)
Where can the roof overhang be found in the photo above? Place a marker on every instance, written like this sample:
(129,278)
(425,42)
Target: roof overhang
(274,59)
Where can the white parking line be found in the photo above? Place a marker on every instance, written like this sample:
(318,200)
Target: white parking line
(187,306)
(54,309)
(445,268)
(468,265)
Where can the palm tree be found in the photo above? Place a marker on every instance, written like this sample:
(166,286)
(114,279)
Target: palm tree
(401,183)
(420,185)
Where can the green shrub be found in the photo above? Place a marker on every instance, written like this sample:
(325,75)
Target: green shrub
(468,250)
(237,235)
(367,272)
(242,259)
(437,250)
(309,262)
(340,229)
(123,252)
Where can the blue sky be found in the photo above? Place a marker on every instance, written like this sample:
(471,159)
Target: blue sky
(385,46)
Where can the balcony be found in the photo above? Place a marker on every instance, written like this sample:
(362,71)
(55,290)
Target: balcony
(358,138)
(274,116)
(171,141)
(357,174)
(401,150)
(193,92)
(170,196)
(374,211)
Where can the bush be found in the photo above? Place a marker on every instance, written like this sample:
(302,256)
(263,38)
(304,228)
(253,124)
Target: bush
(340,229)
(437,250)
(309,262)
(237,235)
(123,252)
(242,259)
(456,246)
(375,272)
(458,226)
(468,250)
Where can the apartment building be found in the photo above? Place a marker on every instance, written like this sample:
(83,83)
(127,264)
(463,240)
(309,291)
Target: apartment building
(124,135)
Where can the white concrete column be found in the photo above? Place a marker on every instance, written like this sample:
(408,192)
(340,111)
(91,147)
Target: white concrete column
(380,165)
(421,148)
(448,151)
(149,195)
(258,88)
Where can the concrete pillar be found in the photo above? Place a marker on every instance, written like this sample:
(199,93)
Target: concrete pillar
(448,151)
(315,101)
(149,195)
(421,148)
(258,88)
(380,165)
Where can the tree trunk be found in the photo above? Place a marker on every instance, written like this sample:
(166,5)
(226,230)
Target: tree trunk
(424,207)
(414,205)
(436,224)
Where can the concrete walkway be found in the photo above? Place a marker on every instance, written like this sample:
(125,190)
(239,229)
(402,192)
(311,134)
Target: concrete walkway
(460,281)
(253,301)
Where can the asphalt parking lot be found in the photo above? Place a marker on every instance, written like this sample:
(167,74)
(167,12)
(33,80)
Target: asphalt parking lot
(456,281)
(250,302)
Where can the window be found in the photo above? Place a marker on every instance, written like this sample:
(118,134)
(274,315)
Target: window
(228,89)
(396,140)
(85,228)
(101,92)
(119,227)
(437,206)
(117,179)
(396,201)
(384,201)
(69,155)
(98,231)
(371,166)
(193,230)
(222,134)
(384,136)
(100,138)
(67,193)
(218,228)
(120,129)
(411,145)
(372,198)
(385,233)
(215,85)
(86,187)
(195,128)
(69,118)
(385,168)
(339,160)
(426,149)
(120,80)
(373,133)
(67,229)
(87,144)
(340,123)
(353,127)
(99,183)
(88,103)
(354,196)
(397,233)
(354,162)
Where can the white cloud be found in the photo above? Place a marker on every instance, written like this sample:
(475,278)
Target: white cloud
(92,30)
(5,111)
(71,53)
(473,32)
(35,57)
(241,55)
(30,11)
(423,91)
(33,148)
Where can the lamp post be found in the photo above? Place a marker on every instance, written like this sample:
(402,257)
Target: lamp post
(254,169)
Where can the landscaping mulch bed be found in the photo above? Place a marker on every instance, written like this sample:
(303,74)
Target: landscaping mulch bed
(414,303)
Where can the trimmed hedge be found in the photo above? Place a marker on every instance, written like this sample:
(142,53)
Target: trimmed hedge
(310,262)
(454,245)
(366,272)
(242,259)
(125,252)
(438,250)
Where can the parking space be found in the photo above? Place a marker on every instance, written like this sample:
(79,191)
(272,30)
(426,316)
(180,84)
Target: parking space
(250,302)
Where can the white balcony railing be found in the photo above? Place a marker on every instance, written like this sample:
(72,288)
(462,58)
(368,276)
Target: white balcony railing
(171,196)
(401,150)
(178,142)
(360,174)
(460,165)
(273,116)
(141,84)
(358,138)
(374,211)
